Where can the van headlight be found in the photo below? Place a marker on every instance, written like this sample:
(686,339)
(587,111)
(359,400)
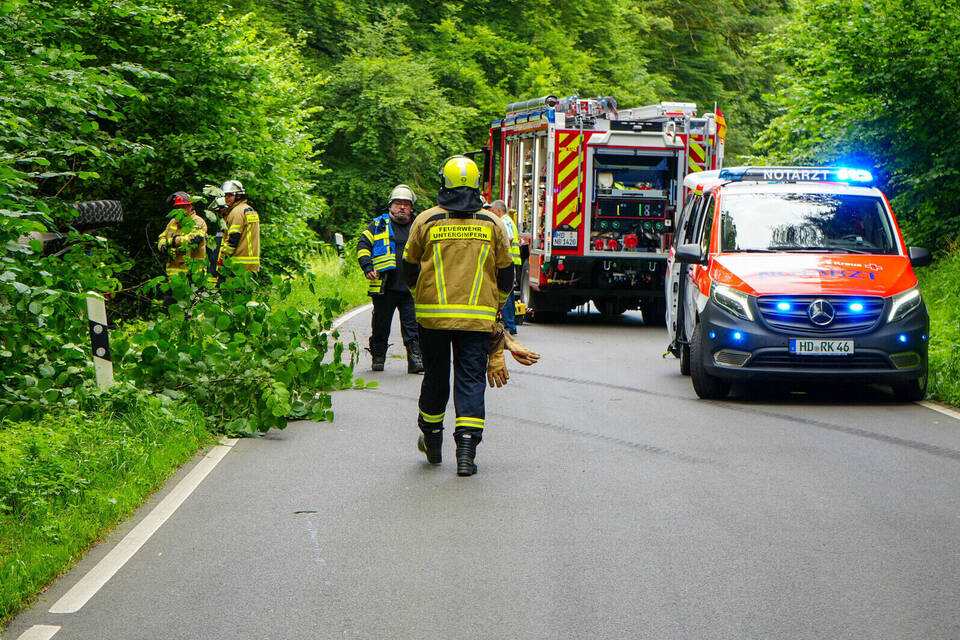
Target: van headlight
(731,300)
(903,304)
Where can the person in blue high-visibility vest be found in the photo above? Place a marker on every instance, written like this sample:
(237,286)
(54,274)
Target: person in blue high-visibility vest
(378,249)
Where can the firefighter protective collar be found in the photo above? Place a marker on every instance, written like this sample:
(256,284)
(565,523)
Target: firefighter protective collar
(460,199)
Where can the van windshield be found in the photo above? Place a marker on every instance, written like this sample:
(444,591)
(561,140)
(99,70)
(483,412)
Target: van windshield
(818,222)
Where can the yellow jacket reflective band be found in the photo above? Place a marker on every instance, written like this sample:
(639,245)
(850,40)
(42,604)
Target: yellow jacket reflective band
(478,278)
(455,311)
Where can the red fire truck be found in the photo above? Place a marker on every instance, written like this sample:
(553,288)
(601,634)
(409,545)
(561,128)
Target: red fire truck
(595,191)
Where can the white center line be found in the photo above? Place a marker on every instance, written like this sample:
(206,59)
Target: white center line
(81,592)
(39,632)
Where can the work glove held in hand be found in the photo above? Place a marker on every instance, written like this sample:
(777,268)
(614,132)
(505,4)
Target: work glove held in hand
(519,352)
(497,374)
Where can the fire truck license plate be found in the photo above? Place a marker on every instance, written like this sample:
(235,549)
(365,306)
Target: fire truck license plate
(814,347)
(564,238)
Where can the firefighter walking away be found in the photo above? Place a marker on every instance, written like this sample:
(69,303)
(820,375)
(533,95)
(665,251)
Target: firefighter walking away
(457,261)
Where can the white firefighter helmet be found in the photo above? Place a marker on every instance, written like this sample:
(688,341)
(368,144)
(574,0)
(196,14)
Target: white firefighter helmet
(233,186)
(403,192)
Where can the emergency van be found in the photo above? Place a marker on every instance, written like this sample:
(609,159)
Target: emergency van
(595,190)
(794,274)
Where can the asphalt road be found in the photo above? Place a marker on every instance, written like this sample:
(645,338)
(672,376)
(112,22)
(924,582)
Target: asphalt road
(610,503)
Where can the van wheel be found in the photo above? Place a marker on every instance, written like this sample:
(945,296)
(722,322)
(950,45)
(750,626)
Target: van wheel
(684,359)
(707,386)
(911,391)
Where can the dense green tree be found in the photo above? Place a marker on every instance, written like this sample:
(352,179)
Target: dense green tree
(876,83)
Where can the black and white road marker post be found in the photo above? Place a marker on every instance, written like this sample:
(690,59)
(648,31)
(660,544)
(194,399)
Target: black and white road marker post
(100,340)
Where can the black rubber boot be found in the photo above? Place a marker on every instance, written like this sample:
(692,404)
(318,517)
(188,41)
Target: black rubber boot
(378,353)
(466,453)
(414,358)
(431,444)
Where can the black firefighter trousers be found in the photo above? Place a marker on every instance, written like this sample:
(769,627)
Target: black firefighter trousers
(469,379)
(384,304)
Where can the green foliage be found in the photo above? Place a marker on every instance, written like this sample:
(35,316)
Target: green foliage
(249,361)
(384,117)
(940,284)
(413,82)
(846,98)
(68,478)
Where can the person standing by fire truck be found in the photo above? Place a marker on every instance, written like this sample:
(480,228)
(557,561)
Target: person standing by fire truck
(509,312)
(457,261)
(377,251)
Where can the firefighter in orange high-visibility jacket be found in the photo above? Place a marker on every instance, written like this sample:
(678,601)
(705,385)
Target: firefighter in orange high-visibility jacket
(378,250)
(242,240)
(185,235)
(457,262)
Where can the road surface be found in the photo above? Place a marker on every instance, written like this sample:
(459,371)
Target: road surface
(610,503)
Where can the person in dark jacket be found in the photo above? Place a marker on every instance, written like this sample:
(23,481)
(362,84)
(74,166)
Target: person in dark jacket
(377,252)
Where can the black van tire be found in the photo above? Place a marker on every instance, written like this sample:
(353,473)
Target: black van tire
(708,387)
(912,390)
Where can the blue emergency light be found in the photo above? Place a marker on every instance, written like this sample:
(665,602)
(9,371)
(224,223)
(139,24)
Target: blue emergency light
(797,174)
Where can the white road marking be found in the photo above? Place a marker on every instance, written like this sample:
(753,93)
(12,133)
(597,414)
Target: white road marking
(87,587)
(945,410)
(81,592)
(39,632)
(339,321)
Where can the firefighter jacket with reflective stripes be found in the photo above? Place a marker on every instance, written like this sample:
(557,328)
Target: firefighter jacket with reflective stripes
(178,245)
(465,271)
(514,241)
(377,250)
(242,240)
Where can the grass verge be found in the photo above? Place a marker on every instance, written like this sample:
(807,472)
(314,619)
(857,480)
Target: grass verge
(67,480)
(940,284)
(330,279)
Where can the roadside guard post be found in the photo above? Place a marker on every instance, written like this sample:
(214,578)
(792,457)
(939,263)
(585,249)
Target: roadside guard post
(338,240)
(100,340)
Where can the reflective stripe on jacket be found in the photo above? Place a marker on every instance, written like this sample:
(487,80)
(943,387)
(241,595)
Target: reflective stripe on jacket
(458,256)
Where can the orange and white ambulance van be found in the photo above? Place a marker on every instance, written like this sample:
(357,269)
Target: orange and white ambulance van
(794,274)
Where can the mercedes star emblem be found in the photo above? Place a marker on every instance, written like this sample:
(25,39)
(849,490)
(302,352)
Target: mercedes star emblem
(821,312)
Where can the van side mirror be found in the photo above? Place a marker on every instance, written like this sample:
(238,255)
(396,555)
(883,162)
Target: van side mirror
(689,254)
(919,257)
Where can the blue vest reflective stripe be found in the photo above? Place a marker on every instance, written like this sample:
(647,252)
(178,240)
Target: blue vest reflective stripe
(384,254)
